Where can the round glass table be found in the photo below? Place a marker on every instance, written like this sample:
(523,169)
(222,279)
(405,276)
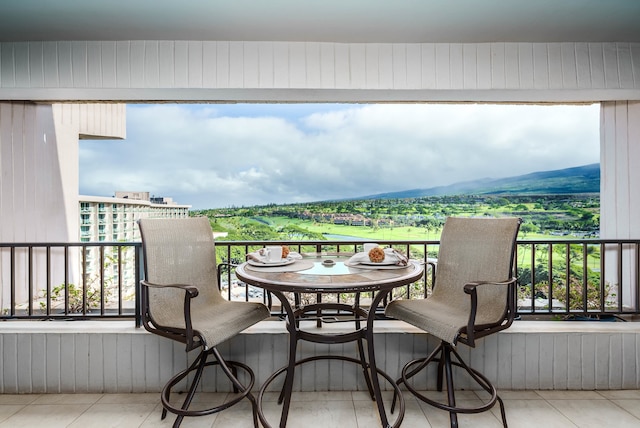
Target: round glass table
(328,274)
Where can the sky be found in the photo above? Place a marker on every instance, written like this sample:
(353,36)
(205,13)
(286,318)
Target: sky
(233,155)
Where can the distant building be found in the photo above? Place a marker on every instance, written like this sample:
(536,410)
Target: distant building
(144,196)
(138,196)
(114,219)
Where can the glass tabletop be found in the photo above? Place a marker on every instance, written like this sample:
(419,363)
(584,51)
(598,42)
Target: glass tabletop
(337,277)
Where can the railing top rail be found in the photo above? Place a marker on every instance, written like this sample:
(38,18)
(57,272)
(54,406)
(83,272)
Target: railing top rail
(598,276)
(318,242)
(422,241)
(70,244)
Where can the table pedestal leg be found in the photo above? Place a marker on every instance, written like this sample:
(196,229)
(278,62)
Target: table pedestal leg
(374,370)
(366,360)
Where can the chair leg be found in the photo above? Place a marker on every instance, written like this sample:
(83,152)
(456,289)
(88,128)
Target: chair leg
(232,374)
(440,375)
(201,363)
(448,374)
(422,363)
(287,388)
(230,368)
(446,357)
(485,384)
(363,359)
(197,365)
(365,369)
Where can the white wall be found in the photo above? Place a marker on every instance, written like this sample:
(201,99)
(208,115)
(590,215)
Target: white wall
(39,167)
(619,190)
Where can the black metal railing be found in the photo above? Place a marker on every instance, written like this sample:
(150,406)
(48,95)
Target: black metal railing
(591,278)
(70,280)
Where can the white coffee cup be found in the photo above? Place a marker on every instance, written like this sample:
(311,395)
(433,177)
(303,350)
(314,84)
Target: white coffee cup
(274,253)
(369,246)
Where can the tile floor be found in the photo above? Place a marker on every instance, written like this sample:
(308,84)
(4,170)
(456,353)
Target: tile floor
(324,409)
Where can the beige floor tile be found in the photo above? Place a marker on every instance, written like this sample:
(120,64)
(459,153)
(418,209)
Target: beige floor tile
(153,420)
(440,418)
(68,398)
(342,409)
(6,410)
(525,413)
(623,394)
(570,395)
(519,395)
(201,401)
(113,416)
(595,413)
(631,406)
(321,396)
(386,396)
(317,414)
(238,416)
(442,396)
(269,396)
(18,398)
(367,415)
(53,415)
(144,398)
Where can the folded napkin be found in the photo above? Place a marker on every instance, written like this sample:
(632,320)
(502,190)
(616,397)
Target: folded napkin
(391,256)
(260,256)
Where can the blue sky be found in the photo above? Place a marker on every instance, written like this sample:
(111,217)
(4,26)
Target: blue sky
(221,155)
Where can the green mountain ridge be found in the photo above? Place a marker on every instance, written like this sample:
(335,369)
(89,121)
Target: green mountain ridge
(581,179)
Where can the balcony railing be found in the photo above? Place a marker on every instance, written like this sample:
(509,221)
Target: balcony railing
(70,280)
(592,278)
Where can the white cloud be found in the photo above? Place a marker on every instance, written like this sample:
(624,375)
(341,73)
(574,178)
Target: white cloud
(215,155)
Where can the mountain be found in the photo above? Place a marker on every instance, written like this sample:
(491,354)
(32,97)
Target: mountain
(581,179)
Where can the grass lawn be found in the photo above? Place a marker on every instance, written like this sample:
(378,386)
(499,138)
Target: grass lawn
(391,234)
(414,234)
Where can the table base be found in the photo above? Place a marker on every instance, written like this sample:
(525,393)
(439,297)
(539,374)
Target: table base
(380,282)
(399,400)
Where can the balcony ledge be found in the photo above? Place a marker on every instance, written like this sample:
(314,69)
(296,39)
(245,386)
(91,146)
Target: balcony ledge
(278,327)
(114,356)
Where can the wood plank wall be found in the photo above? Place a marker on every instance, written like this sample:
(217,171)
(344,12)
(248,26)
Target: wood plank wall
(619,195)
(67,361)
(152,64)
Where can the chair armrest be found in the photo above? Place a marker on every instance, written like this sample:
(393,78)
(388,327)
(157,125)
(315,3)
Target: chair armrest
(219,271)
(470,288)
(191,291)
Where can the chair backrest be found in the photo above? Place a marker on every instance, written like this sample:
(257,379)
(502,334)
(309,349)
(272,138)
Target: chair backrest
(472,250)
(178,251)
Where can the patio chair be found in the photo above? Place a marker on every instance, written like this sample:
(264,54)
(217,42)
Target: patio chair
(474,295)
(181,300)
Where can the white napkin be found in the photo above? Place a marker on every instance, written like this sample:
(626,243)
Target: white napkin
(391,256)
(260,256)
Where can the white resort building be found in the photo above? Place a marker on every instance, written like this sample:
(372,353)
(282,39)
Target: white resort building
(114,219)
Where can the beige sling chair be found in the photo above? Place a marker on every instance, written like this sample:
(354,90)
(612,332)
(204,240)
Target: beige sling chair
(474,295)
(181,300)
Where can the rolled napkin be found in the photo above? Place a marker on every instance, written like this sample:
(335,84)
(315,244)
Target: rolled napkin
(260,256)
(391,256)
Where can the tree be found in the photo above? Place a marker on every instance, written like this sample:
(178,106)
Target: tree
(528,228)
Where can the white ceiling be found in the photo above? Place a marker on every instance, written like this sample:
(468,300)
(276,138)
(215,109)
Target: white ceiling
(323,20)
